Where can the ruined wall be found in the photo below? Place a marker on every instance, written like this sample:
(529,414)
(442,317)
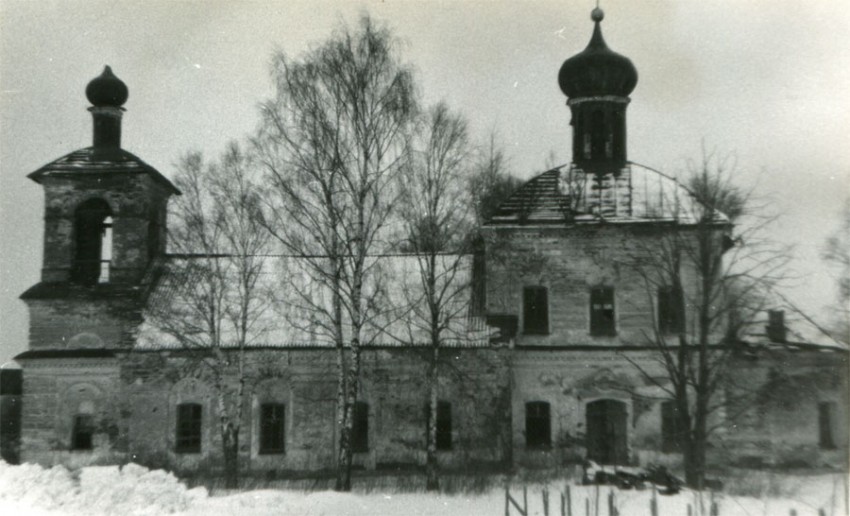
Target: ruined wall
(57,390)
(773,418)
(569,381)
(82,324)
(135,201)
(393,384)
(569,261)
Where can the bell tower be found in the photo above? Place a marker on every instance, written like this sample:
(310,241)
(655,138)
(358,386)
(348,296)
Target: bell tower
(104,207)
(597,83)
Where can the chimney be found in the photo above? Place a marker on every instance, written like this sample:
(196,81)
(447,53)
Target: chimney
(776,331)
(107,93)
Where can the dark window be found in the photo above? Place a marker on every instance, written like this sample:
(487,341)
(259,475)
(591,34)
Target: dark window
(272,420)
(360,427)
(92,229)
(671,310)
(535,310)
(444,424)
(602,311)
(826,418)
(188,428)
(598,135)
(538,425)
(81,438)
(672,435)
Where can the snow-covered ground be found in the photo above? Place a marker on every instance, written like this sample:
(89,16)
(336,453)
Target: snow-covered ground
(134,490)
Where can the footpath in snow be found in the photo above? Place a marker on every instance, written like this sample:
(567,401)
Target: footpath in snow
(134,490)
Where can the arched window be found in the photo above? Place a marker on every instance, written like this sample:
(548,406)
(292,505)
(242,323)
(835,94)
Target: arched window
(93,242)
(598,135)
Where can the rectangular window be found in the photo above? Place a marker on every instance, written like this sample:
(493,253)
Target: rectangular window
(602,312)
(272,420)
(188,428)
(360,428)
(538,425)
(672,436)
(671,310)
(826,418)
(81,438)
(535,310)
(444,424)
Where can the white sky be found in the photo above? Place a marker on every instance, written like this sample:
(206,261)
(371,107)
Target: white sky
(767,80)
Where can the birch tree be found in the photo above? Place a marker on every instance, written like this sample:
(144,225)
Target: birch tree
(218,299)
(437,218)
(332,141)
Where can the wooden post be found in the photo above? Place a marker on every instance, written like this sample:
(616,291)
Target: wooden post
(587,506)
(793,512)
(596,502)
(653,503)
(545,494)
(569,502)
(563,510)
(612,507)
(524,500)
(821,512)
(507,499)
(690,510)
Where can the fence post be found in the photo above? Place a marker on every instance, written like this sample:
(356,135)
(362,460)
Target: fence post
(507,499)
(653,503)
(524,500)
(569,502)
(714,509)
(545,494)
(612,507)
(821,512)
(690,510)
(596,502)
(793,512)
(587,506)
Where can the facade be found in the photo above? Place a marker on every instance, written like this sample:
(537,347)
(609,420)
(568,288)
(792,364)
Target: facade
(564,371)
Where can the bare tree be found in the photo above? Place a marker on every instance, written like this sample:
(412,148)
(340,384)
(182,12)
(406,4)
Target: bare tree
(332,141)
(491,182)
(712,277)
(437,220)
(836,253)
(217,300)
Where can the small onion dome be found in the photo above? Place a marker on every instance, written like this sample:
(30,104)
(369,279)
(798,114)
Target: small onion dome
(107,90)
(597,70)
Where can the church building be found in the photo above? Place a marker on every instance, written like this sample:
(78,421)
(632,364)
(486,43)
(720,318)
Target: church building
(564,367)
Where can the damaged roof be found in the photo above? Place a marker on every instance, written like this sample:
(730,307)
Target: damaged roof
(568,194)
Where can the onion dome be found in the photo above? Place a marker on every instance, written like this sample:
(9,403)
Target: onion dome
(597,70)
(107,90)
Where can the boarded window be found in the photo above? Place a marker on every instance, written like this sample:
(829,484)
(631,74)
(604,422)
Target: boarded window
(671,310)
(826,420)
(188,428)
(538,425)
(360,427)
(602,311)
(535,312)
(272,424)
(81,438)
(672,434)
(444,424)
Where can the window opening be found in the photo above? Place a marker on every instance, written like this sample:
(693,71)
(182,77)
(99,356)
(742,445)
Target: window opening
(602,322)
(82,435)
(535,305)
(93,242)
(188,428)
(671,310)
(538,426)
(826,419)
(272,428)
(360,427)
(444,424)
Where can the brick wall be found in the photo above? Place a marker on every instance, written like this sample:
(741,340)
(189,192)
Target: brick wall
(393,384)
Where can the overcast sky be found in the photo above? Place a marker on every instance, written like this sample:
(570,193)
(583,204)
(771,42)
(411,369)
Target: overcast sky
(765,80)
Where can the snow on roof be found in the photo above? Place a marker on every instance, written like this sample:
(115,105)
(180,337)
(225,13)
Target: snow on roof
(569,194)
(292,302)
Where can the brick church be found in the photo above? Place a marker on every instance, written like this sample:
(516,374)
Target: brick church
(559,369)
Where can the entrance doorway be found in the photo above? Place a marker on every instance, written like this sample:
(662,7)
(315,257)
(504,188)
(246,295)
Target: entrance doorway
(606,432)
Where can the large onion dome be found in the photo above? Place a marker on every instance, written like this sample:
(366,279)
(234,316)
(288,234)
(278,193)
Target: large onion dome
(107,90)
(597,70)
